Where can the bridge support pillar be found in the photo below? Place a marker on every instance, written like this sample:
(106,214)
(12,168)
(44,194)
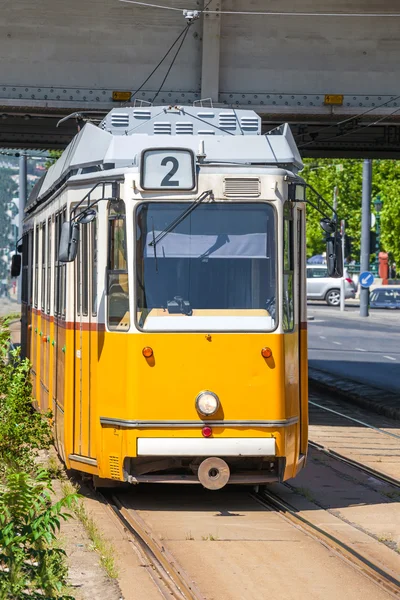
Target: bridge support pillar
(211,51)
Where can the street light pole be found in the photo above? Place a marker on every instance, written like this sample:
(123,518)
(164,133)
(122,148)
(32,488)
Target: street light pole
(378,207)
(22,184)
(365,230)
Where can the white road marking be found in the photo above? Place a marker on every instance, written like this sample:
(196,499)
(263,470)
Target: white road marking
(360,349)
(337,343)
(389,357)
(322,337)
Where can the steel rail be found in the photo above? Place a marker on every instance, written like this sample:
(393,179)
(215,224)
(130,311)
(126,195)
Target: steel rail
(354,463)
(381,577)
(178,584)
(335,412)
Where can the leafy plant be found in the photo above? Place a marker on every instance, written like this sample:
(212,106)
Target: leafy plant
(23,431)
(31,564)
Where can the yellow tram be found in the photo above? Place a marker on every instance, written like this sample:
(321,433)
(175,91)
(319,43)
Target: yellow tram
(164,299)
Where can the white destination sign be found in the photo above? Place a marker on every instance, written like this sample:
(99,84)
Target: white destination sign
(168,169)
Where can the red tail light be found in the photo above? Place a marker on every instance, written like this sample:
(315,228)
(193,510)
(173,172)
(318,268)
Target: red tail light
(349,280)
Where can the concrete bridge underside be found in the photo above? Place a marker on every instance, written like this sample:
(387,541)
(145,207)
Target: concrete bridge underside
(313,71)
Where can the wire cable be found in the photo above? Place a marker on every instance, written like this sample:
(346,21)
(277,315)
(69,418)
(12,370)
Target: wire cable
(355,130)
(159,64)
(347,120)
(270,13)
(173,61)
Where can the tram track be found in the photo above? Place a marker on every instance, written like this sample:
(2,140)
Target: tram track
(360,438)
(174,582)
(290,514)
(169,577)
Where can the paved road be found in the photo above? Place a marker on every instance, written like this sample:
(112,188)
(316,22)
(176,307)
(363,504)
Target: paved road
(362,349)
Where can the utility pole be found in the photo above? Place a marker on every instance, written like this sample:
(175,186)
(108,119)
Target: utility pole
(22,184)
(365,232)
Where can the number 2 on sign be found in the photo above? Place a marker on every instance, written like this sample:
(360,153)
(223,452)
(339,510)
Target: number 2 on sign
(168,181)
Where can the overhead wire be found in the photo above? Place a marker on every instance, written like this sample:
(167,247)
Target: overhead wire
(344,121)
(183,32)
(268,13)
(173,61)
(355,130)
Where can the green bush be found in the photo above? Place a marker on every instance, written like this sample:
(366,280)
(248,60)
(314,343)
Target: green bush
(31,564)
(23,431)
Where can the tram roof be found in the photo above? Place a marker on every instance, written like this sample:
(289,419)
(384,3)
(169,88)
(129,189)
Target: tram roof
(225,135)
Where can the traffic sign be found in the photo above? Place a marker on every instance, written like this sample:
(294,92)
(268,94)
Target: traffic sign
(366,279)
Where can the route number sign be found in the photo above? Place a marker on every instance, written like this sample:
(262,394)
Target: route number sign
(168,169)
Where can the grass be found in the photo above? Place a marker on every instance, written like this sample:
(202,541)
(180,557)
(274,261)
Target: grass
(210,537)
(189,536)
(385,537)
(392,495)
(98,543)
(54,468)
(303,491)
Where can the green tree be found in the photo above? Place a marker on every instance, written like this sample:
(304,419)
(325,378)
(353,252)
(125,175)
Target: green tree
(346,174)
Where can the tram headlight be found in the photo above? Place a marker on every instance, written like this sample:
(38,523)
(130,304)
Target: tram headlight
(207,403)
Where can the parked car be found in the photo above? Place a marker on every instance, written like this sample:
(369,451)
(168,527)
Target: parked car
(385,297)
(322,287)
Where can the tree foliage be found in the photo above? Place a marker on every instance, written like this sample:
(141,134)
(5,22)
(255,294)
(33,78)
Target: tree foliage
(325,174)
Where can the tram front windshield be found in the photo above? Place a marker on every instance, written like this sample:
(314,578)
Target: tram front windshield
(214,271)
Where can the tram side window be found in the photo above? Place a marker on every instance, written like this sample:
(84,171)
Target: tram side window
(25,265)
(36,266)
(48,266)
(57,267)
(30,261)
(117,273)
(288,276)
(93,233)
(43,286)
(63,218)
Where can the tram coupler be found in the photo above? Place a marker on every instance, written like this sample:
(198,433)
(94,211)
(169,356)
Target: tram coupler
(213,473)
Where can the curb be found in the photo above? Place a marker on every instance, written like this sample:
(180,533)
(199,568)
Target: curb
(375,399)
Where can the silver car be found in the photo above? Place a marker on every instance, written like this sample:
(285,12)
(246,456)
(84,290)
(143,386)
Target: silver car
(322,287)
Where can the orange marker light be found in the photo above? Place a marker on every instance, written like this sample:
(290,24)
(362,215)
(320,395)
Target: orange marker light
(147,352)
(266,352)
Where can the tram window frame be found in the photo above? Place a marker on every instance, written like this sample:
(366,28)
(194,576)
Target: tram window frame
(117,250)
(49,249)
(57,266)
(85,270)
(30,266)
(288,300)
(43,267)
(36,245)
(93,234)
(63,311)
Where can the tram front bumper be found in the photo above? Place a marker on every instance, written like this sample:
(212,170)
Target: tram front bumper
(206,447)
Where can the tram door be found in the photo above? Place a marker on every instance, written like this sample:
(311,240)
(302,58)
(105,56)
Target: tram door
(85,341)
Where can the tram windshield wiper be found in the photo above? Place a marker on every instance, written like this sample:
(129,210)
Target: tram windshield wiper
(182,217)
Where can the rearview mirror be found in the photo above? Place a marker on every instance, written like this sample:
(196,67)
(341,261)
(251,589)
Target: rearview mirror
(16,265)
(334,257)
(327,225)
(69,241)
(87,216)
